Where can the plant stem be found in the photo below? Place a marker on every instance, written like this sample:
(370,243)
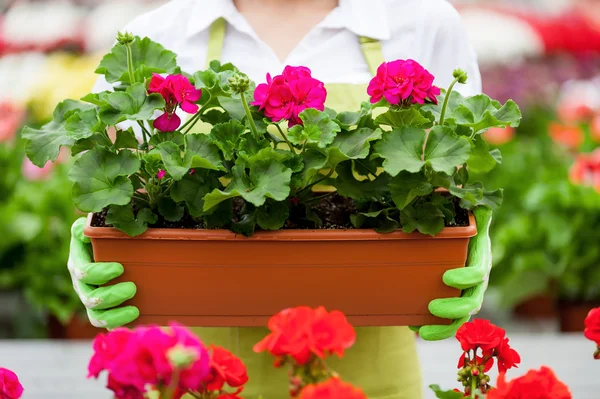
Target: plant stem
(446,100)
(307,188)
(144,133)
(249,115)
(169,393)
(319,198)
(142,199)
(473,387)
(192,121)
(285,138)
(130,64)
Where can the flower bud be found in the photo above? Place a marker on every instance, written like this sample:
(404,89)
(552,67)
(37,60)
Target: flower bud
(125,38)
(239,83)
(475,372)
(461,75)
(597,354)
(181,357)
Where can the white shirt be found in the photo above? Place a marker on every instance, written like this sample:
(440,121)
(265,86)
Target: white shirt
(428,31)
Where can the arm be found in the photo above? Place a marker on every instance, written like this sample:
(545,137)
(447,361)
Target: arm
(89,279)
(472,279)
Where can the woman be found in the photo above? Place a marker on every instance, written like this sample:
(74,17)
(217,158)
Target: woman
(343,43)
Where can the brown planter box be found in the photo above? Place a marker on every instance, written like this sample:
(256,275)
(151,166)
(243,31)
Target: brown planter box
(573,315)
(218,278)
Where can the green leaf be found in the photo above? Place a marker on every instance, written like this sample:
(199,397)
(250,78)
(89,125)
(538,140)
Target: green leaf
(267,179)
(84,124)
(407,186)
(445,151)
(317,128)
(247,223)
(43,145)
(381,220)
(426,218)
(220,217)
(480,113)
(171,157)
(170,210)
(122,218)
(445,205)
(440,394)
(436,109)
(314,161)
(402,150)
(176,137)
(101,179)
(481,160)
(94,141)
(404,117)
(200,152)
(133,104)
(250,146)
(148,57)
(473,195)
(227,136)
(351,145)
(192,189)
(272,215)
(126,139)
(367,190)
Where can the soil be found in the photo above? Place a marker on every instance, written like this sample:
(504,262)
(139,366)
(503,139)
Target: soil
(334,211)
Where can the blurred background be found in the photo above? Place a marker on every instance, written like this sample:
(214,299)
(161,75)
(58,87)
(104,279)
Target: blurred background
(544,54)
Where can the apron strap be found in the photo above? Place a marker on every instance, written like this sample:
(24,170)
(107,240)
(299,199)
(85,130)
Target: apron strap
(216,39)
(373,53)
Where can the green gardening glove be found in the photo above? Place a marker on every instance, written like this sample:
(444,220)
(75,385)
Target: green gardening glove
(101,302)
(473,280)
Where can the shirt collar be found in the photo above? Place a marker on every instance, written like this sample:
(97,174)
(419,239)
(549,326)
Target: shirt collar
(364,18)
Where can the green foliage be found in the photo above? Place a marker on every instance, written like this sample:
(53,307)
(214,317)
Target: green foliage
(392,165)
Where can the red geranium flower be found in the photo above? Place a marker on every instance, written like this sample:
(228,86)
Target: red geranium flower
(479,334)
(569,136)
(303,332)
(586,170)
(225,368)
(541,384)
(507,357)
(332,389)
(592,326)
(177,91)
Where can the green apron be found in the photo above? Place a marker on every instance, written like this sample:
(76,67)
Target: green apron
(383,362)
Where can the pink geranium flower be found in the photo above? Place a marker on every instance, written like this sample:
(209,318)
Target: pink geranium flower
(161,174)
(177,92)
(285,96)
(10,387)
(34,173)
(403,81)
(11,118)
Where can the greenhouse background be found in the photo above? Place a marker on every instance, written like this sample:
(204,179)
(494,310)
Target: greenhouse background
(546,244)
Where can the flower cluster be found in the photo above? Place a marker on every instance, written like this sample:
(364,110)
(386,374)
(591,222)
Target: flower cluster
(592,329)
(333,388)
(403,82)
(482,342)
(10,387)
(302,333)
(150,358)
(541,384)
(225,369)
(586,170)
(285,96)
(177,91)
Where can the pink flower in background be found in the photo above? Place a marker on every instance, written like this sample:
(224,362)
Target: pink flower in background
(568,136)
(10,387)
(177,92)
(595,128)
(499,135)
(35,173)
(285,96)
(586,170)
(161,174)
(11,119)
(403,81)
(570,113)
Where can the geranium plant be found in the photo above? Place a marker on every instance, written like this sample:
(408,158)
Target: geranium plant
(264,151)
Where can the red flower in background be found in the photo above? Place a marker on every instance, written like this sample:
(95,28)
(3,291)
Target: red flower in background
(303,332)
(569,136)
(541,384)
(225,368)
(177,92)
(285,96)
(10,387)
(479,334)
(592,329)
(400,81)
(586,170)
(332,389)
